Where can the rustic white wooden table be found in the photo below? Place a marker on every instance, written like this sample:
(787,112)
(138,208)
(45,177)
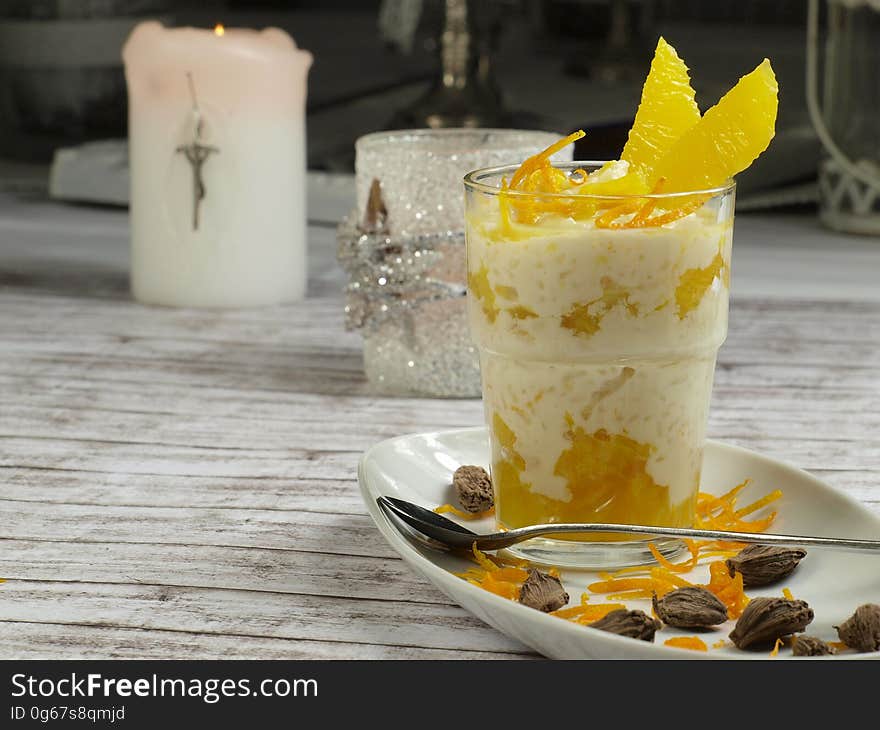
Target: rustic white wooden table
(181,484)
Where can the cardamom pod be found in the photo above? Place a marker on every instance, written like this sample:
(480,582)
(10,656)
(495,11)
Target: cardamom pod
(861,631)
(691,607)
(767,619)
(473,487)
(635,624)
(810,646)
(763,564)
(543,592)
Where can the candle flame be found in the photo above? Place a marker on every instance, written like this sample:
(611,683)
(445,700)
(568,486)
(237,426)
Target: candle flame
(219,29)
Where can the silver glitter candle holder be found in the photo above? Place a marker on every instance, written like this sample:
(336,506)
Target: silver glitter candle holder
(403,250)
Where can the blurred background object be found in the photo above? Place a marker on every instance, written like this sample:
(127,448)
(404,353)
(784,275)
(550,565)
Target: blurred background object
(465,93)
(847,118)
(556,65)
(61,79)
(403,251)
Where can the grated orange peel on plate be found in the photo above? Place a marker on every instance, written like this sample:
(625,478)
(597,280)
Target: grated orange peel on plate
(505,578)
(694,643)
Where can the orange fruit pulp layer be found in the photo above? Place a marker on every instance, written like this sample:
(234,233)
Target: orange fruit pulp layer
(608,482)
(671,148)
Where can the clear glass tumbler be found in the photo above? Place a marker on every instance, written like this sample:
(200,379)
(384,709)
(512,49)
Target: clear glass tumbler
(597,350)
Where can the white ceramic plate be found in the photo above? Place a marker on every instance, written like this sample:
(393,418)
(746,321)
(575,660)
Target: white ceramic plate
(419,468)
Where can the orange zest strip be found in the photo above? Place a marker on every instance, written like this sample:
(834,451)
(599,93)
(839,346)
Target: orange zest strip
(763,502)
(680,567)
(635,569)
(608,218)
(511,561)
(502,588)
(541,159)
(648,207)
(642,212)
(838,645)
(672,215)
(510,574)
(717,553)
(787,593)
(695,643)
(641,215)
(641,587)
(661,574)
(727,497)
(631,595)
(587,613)
(754,526)
(444,508)
(482,559)
(621,584)
(719,513)
(728,590)
(779,643)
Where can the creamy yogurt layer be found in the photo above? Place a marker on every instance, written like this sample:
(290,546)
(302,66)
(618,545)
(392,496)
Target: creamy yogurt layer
(597,353)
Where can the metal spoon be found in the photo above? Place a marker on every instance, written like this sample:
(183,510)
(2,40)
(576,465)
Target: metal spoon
(453,535)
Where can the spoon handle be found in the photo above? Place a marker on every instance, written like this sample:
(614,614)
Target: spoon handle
(525,533)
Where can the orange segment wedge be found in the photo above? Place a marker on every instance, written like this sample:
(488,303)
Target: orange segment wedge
(727,139)
(669,142)
(667,110)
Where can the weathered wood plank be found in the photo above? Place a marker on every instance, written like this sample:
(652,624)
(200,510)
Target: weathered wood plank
(381,578)
(136,490)
(24,640)
(317,532)
(108,457)
(352,431)
(284,616)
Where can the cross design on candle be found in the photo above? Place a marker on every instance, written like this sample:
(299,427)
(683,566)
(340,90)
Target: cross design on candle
(196,154)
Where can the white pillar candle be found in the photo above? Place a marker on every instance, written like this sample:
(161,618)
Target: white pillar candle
(217,155)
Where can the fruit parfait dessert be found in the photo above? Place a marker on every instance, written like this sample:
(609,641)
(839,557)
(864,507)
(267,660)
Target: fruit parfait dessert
(598,299)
